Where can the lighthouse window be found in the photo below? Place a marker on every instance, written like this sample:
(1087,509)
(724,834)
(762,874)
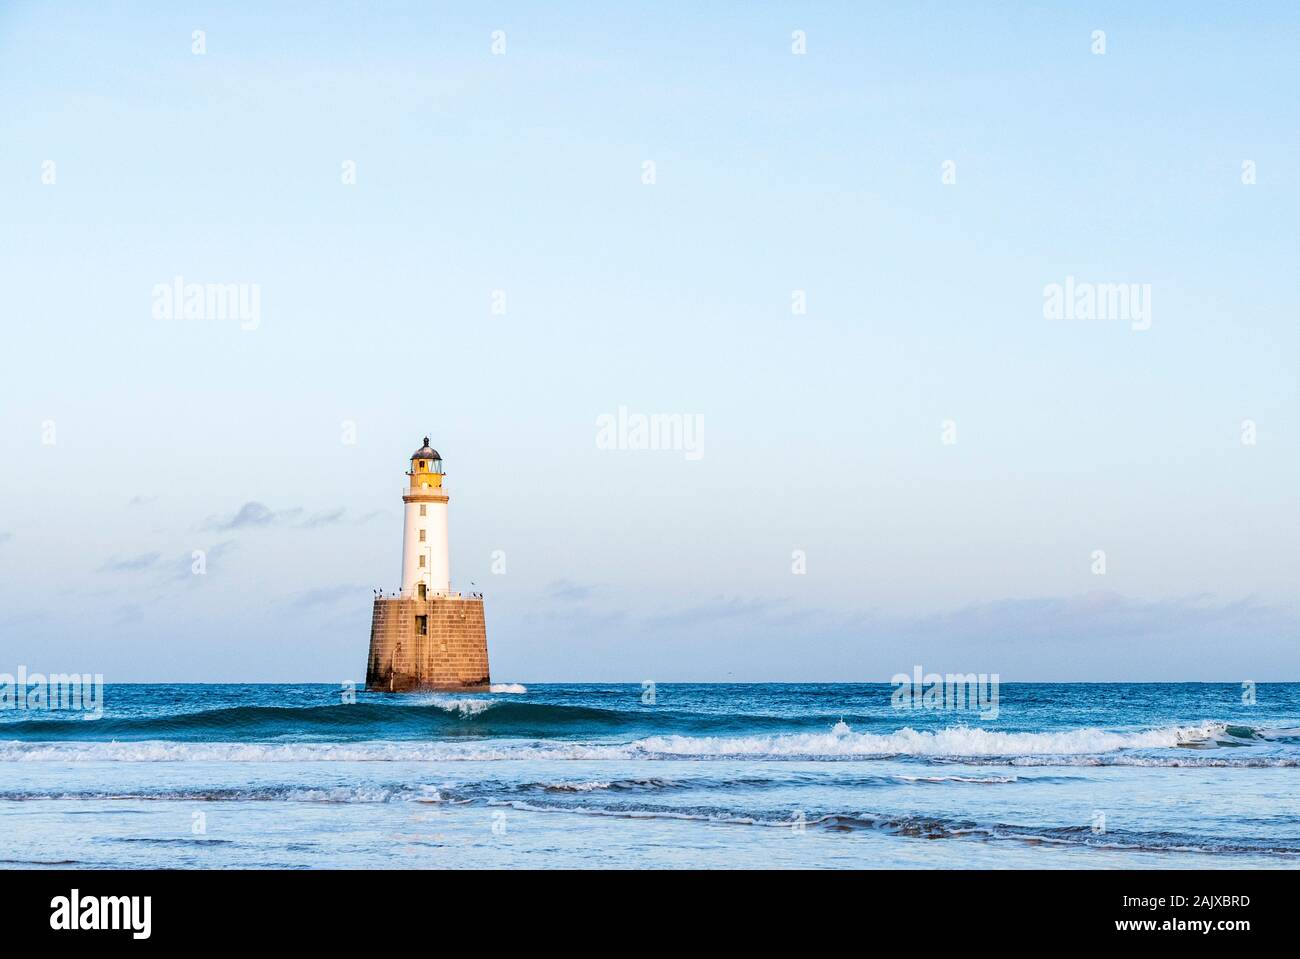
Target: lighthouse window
(422,625)
(421,562)
(423,510)
(421,536)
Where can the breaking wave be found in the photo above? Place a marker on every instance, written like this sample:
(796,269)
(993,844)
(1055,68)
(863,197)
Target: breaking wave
(419,716)
(416,717)
(955,741)
(1189,745)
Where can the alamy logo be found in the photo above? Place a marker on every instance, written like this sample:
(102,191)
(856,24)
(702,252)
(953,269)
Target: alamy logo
(74,692)
(179,300)
(74,912)
(655,431)
(1073,300)
(952,691)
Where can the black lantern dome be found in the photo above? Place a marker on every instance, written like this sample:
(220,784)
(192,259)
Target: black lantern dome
(427,459)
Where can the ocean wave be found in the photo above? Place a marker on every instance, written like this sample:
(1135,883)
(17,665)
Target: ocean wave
(438,726)
(264,793)
(579,787)
(24,863)
(973,780)
(463,706)
(1167,762)
(955,741)
(357,752)
(418,716)
(1069,747)
(929,828)
(413,716)
(478,789)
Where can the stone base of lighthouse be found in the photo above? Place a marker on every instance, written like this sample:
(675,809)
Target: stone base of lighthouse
(435,643)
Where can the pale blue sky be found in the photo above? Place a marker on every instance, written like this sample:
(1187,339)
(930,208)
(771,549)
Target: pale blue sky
(775,172)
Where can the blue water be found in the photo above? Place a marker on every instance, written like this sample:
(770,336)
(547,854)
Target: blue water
(1072,776)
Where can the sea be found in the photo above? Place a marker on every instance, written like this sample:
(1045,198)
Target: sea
(642,776)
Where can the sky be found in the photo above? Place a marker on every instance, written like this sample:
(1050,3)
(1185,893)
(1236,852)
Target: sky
(495,224)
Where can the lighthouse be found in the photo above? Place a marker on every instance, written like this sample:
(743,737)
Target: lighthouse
(426,562)
(427,635)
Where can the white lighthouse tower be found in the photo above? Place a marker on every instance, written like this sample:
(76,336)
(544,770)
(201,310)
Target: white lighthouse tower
(426,564)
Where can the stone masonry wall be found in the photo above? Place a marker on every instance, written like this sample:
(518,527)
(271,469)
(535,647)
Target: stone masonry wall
(452,655)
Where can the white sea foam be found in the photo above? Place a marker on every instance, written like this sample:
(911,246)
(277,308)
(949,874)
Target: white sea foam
(361,794)
(955,741)
(509,688)
(1078,746)
(464,706)
(360,752)
(978,780)
(468,707)
(523,806)
(248,793)
(583,787)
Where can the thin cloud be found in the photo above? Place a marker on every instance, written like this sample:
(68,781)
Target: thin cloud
(253,515)
(580,618)
(324,595)
(326,518)
(1100,614)
(1091,637)
(131,564)
(185,563)
(130,613)
(718,609)
(570,592)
